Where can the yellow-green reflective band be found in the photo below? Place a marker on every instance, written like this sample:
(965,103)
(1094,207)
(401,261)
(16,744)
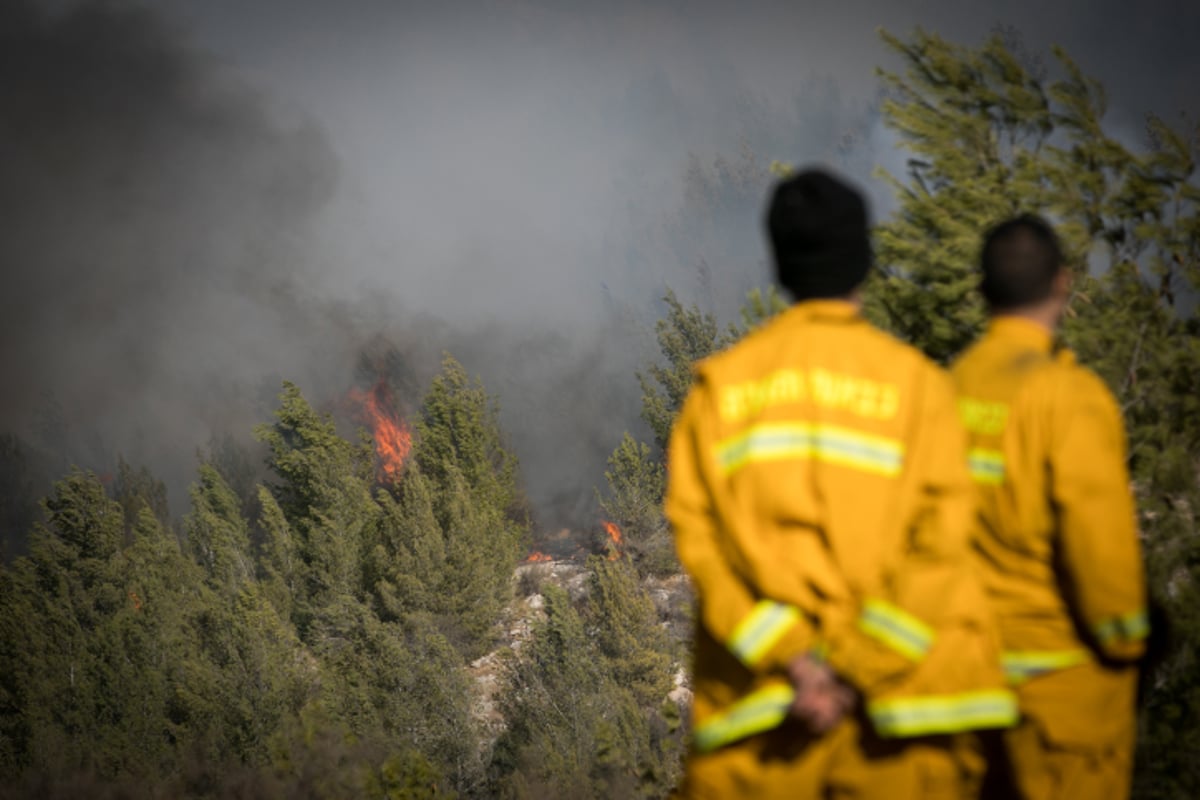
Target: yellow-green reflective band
(761,629)
(1128,627)
(987,466)
(801,440)
(756,712)
(1021,665)
(921,716)
(896,628)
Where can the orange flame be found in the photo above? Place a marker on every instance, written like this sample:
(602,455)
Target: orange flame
(614,539)
(392,437)
(536,557)
(137,601)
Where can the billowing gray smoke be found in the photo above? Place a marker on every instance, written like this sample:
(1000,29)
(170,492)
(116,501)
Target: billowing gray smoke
(506,181)
(153,246)
(160,272)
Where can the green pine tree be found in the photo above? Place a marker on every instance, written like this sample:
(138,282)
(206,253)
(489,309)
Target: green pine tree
(474,498)
(624,625)
(103,671)
(325,497)
(248,639)
(408,566)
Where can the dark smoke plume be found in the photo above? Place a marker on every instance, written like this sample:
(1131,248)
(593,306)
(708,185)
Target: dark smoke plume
(153,243)
(159,274)
(169,253)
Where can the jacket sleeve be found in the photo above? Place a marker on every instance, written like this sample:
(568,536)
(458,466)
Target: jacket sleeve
(762,633)
(1098,549)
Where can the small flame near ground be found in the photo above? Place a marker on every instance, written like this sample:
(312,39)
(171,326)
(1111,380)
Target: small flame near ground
(614,546)
(614,539)
(393,440)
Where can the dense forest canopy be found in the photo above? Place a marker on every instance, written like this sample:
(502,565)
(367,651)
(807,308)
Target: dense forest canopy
(324,629)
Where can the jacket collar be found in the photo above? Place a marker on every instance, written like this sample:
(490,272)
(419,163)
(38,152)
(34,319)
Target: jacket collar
(835,310)
(1022,331)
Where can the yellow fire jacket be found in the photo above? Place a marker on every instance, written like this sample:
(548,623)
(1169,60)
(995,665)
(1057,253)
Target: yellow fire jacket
(820,501)
(1056,526)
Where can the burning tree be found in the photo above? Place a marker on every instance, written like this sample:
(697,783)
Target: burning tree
(376,407)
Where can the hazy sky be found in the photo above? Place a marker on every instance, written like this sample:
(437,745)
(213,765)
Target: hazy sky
(505,131)
(204,198)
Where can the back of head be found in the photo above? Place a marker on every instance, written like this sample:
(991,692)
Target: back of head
(819,236)
(1021,259)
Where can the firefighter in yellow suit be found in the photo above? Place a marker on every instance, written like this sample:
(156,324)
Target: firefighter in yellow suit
(820,501)
(1056,528)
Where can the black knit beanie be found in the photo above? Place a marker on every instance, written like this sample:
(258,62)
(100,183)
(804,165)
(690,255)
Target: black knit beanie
(818,230)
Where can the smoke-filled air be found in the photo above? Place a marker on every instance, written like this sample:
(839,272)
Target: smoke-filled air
(202,201)
(369,322)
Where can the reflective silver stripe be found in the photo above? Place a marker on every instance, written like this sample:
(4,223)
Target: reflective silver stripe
(757,712)
(1128,627)
(896,628)
(761,630)
(987,466)
(819,442)
(953,713)
(1021,665)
